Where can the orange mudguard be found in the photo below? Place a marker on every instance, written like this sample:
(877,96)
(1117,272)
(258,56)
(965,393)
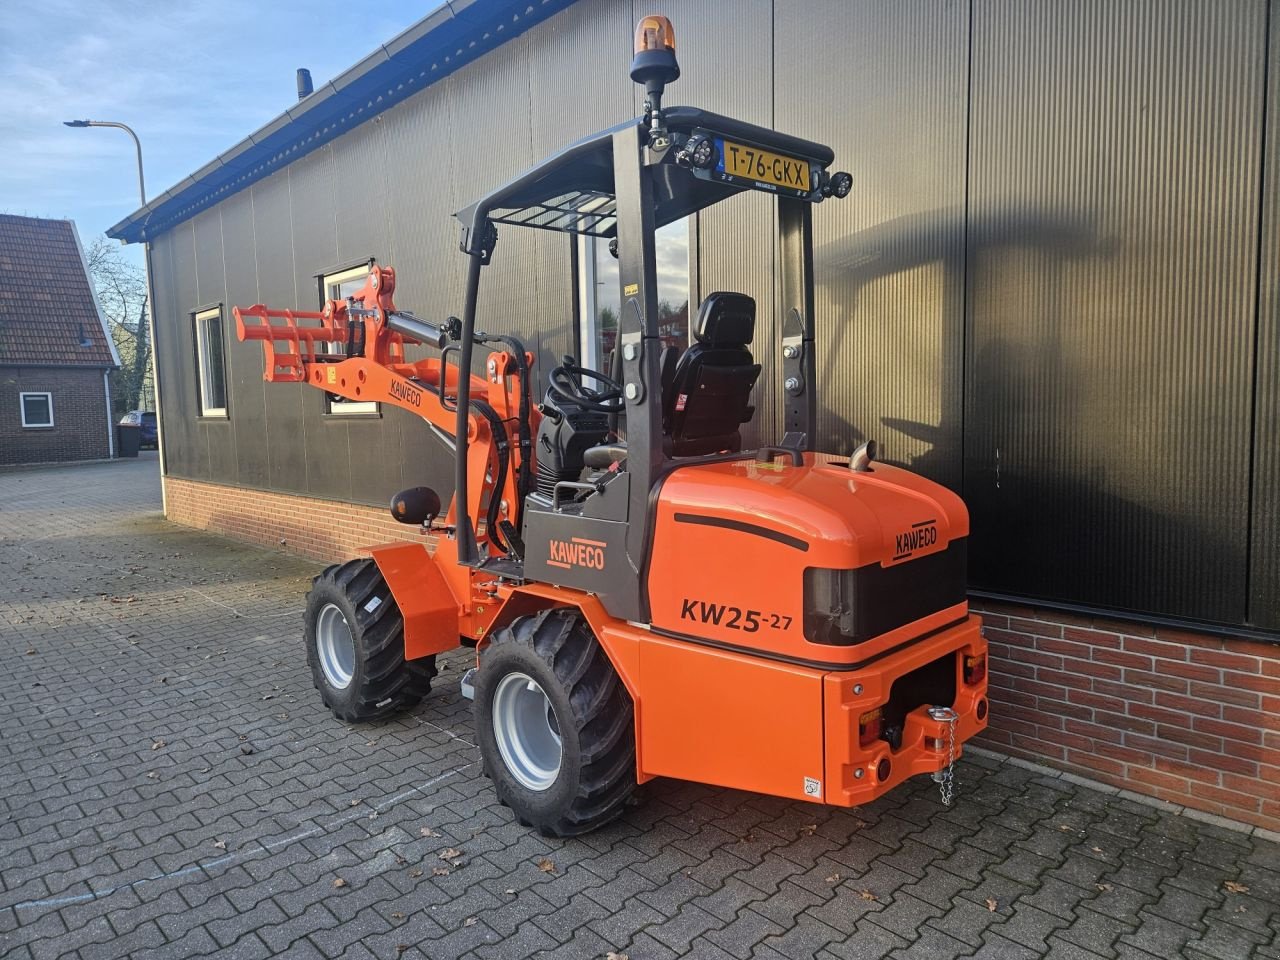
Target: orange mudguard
(423,595)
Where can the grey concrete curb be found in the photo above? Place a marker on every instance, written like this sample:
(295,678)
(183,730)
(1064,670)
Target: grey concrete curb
(1162,805)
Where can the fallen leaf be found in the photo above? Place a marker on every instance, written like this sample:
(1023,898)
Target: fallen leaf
(992,903)
(449,854)
(1103,886)
(220,844)
(355,803)
(1231,886)
(509,890)
(401,861)
(339,882)
(1096,849)
(546,866)
(401,948)
(834,878)
(470,921)
(457,863)
(415,873)
(439,871)
(866,895)
(31,651)
(427,832)
(748,837)
(397,916)
(157,744)
(1064,827)
(809,830)
(152,775)
(616,956)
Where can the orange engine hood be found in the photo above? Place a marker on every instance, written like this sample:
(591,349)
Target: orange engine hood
(732,542)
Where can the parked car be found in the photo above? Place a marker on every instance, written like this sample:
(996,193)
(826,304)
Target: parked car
(146,419)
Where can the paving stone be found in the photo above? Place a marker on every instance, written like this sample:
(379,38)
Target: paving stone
(1095,931)
(1029,926)
(932,944)
(868,942)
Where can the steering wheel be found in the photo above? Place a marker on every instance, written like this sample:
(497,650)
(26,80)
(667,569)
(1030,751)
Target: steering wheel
(566,383)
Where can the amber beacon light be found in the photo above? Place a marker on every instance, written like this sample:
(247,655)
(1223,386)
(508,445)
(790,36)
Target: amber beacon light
(655,53)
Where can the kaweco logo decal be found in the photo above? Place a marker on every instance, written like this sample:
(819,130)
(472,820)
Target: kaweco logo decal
(576,553)
(921,535)
(402,391)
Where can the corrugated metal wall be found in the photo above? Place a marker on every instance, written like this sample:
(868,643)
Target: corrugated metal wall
(1112,249)
(1053,288)
(1264,556)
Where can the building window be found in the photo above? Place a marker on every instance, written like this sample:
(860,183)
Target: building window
(37,410)
(601,296)
(211,363)
(339,286)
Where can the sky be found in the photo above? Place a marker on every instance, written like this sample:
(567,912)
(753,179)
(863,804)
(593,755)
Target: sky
(191,78)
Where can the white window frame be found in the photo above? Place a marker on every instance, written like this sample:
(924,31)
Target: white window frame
(589,300)
(203,361)
(22,407)
(342,407)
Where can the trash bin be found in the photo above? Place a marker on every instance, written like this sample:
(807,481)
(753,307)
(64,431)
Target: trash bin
(128,437)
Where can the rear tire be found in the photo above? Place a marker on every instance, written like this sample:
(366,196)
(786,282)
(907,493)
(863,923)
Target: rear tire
(355,645)
(545,682)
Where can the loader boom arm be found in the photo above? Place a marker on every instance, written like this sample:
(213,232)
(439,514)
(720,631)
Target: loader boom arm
(353,349)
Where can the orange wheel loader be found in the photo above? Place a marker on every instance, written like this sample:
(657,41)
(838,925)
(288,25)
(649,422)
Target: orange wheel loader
(645,597)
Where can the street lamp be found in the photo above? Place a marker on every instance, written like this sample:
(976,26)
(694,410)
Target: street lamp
(151,298)
(142,190)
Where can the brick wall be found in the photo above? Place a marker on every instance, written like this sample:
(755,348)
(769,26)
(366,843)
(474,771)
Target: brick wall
(80,429)
(1185,717)
(321,529)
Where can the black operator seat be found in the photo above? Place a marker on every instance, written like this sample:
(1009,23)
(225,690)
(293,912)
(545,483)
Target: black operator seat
(709,394)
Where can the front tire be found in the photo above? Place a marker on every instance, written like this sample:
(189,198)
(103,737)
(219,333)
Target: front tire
(355,645)
(555,723)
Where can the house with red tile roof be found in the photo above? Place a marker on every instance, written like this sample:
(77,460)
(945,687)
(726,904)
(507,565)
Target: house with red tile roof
(56,354)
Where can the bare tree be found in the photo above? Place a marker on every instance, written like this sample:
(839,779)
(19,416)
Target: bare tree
(122,292)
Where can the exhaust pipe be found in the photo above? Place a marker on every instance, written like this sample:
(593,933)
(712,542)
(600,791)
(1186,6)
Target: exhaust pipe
(863,457)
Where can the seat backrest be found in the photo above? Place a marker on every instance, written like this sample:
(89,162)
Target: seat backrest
(710,391)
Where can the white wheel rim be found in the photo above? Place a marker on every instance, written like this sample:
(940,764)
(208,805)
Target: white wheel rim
(335,647)
(528,735)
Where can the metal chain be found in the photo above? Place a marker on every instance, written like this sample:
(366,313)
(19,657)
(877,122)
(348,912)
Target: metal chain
(946,777)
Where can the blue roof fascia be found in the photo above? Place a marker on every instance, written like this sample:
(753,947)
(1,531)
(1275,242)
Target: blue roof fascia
(438,45)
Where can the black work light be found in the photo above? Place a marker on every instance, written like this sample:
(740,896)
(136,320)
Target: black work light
(841,184)
(698,151)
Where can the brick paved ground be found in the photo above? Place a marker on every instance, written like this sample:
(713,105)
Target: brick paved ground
(170,786)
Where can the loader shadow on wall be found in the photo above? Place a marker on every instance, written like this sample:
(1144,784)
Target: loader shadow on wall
(963,348)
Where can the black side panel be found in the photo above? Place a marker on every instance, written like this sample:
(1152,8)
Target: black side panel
(1264,572)
(1112,250)
(581,552)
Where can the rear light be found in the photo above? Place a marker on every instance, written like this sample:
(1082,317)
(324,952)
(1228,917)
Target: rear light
(975,669)
(869,727)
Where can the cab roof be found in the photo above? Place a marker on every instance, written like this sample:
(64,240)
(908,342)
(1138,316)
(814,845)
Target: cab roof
(572,191)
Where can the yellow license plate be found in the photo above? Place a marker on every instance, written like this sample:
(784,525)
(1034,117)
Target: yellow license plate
(752,163)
